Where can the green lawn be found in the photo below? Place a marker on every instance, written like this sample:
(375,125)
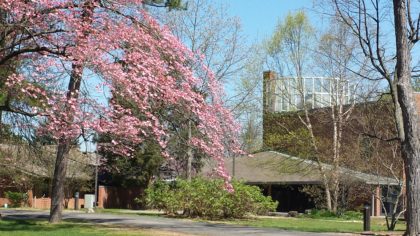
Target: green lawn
(288,223)
(315,225)
(42,228)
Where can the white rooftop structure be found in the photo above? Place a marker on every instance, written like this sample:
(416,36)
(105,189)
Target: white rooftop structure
(290,94)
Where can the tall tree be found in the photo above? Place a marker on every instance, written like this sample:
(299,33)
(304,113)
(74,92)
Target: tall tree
(369,22)
(207,30)
(290,53)
(121,49)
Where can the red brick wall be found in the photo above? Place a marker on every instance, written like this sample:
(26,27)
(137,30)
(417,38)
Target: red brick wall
(45,203)
(3,201)
(41,203)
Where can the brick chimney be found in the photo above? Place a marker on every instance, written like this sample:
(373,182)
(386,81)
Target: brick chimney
(417,97)
(269,86)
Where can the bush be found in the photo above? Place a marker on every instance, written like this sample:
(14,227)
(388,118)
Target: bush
(352,215)
(207,199)
(16,198)
(346,215)
(161,196)
(316,213)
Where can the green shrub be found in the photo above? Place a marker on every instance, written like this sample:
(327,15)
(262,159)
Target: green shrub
(207,199)
(16,199)
(315,213)
(163,197)
(352,215)
(346,215)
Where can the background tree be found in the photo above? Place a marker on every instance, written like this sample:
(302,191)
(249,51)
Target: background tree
(246,100)
(379,152)
(207,30)
(136,171)
(289,51)
(370,22)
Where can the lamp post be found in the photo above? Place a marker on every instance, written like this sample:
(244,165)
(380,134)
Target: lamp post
(233,165)
(96,178)
(76,200)
(366,217)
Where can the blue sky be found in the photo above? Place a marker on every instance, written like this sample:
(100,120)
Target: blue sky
(260,17)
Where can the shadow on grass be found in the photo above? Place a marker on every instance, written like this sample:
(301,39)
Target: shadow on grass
(66,227)
(33,225)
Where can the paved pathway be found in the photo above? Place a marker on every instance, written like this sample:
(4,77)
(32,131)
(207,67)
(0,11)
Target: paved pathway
(162,223)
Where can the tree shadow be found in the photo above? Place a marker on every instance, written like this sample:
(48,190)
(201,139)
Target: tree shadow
(37,225)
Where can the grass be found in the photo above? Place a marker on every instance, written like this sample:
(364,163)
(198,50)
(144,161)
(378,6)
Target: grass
(314,225)
(321,224)
(67,228)
(328,224)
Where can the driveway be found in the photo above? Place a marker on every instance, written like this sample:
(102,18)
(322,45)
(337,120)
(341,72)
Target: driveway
(161,223)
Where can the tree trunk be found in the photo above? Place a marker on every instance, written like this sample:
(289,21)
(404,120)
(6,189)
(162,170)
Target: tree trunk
(60,169)
(410,142)
(413,191)
(64,144)
(327,193)
(63,149)
(1,125)
(325,179)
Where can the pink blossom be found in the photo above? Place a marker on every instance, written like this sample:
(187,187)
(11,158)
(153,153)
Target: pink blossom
(152,71)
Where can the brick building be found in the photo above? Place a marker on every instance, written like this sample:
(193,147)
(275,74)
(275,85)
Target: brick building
(368,145)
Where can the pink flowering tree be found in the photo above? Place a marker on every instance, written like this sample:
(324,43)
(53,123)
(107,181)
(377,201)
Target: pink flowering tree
(76,54)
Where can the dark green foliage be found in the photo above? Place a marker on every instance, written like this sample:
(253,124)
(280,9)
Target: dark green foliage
(132,171)
(207,199)
(17,199)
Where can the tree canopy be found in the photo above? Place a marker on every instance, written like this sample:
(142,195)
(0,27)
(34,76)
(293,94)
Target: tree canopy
(76,54)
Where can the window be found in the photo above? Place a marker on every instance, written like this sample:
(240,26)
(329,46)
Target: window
(285,103)
(298,102)
(325,99)
(309,85)
(326,85)
(309,101)
(317,101)
(318,85)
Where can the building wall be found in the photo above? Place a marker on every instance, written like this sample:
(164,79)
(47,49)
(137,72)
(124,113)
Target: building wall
(285,132)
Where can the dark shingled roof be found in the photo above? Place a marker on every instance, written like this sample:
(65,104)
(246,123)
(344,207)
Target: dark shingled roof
(277,168)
